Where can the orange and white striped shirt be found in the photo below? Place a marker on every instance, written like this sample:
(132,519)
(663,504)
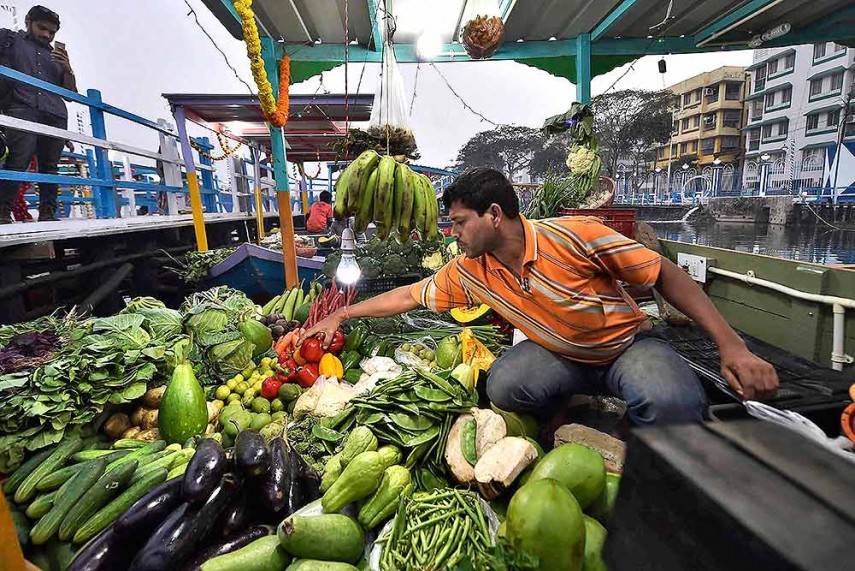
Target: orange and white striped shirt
(568,298)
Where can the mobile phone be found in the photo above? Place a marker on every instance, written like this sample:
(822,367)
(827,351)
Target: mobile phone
(59,46)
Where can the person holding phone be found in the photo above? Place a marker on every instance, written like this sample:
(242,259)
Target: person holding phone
(29,51)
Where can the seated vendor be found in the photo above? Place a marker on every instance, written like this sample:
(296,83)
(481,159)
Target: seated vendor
(319,214)
(557,281)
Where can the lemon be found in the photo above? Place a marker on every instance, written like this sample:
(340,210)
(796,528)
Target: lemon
(222,392)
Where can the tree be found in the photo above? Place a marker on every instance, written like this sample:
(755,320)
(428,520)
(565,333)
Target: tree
(629,123)
(551,157)
(509,148)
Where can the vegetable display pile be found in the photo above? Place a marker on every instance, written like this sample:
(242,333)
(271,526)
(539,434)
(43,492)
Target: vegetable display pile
(379,189)
(197,264)
(389,258)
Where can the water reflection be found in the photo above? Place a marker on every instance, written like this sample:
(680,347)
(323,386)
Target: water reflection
(818,244)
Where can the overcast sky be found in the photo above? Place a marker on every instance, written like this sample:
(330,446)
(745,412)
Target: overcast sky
(135,50)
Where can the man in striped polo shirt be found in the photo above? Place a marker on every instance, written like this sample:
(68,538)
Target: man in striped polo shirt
(559,282)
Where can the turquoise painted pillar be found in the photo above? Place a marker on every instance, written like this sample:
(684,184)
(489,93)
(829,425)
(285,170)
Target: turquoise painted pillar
(583,68)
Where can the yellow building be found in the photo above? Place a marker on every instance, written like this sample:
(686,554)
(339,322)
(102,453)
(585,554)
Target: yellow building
(708,115)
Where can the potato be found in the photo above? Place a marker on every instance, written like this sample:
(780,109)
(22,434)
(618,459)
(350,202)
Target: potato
(131,432)
(138,414)
(152,397)
(148,435)
(149,420)
(116,425)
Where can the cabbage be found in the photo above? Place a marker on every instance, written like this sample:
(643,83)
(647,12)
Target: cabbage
(207,321)
(139,303)
(231,357)
(162,323)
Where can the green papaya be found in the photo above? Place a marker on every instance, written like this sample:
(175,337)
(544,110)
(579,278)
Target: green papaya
(595,537)
(183,410)
(578,467)
(545,521)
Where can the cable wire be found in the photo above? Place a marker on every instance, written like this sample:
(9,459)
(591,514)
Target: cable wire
(465,105)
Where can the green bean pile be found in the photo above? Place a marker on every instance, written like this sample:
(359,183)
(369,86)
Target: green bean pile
(436,530)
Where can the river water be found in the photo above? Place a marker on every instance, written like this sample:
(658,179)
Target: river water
(819,244)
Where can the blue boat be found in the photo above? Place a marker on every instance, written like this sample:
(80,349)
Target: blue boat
(259,272)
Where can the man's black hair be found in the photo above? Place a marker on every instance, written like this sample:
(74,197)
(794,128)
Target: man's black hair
(42,14)
(326,196)
(480,187)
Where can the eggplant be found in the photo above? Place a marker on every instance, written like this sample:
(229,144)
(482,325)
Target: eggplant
(310,482)
(295,491)
(232,543)
(205,518)
(204,471)
(275,485)
(107,551)
(157,553)
(149,511)
(233,518)
(251,454)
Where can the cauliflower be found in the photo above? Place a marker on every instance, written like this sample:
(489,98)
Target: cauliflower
(581,160)
(433,262)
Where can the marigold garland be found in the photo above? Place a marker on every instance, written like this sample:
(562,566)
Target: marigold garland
(227,150)
(275,112)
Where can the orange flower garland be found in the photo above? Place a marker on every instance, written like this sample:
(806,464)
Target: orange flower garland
(276,112)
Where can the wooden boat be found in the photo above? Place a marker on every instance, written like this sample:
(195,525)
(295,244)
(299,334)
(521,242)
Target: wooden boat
(259,272)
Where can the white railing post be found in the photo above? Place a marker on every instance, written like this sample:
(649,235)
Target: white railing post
(131,208)
(171,170)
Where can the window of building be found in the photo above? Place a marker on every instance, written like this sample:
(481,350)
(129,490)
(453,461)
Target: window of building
(815,86)
(684,124)
(819,51)
(837,81)
(661,152)
(731,118)
(760,79)
(836,48)
(693,146)
(767,131)
(709,121)
(790,61)
(730,142)
(786,95)
(696,95)
(833,118)
(711,93)
(772,67)
(687,99)
(733,91)
(753,139)
(756,110)
(684,147)
(708,146)
(770,100)
(696,121)
(783,127)
(812,122)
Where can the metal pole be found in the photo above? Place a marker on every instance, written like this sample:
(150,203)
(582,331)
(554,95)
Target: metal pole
(583,68)
(259,208)
(192,180)
(670,154)
(840,132)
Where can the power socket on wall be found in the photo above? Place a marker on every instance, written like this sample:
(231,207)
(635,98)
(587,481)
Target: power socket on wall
(695,266)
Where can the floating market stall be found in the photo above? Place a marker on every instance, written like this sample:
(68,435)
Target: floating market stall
(203,438)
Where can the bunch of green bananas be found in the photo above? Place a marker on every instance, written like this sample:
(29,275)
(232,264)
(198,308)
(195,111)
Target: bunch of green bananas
(395,197)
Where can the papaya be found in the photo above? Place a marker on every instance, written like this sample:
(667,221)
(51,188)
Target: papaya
(601,508)
(581,469)
(479,315)
(545,521)
(258,334)
(595,537)
(183,410)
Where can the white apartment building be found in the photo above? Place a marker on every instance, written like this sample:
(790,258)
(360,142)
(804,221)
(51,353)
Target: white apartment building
(795,106)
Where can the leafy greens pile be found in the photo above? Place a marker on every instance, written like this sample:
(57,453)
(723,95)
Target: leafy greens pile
(104,360)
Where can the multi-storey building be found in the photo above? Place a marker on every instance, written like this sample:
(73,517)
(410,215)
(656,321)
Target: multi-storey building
(796,110)
(708,114)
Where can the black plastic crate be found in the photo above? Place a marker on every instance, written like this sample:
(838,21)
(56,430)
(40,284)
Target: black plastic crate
(367,287)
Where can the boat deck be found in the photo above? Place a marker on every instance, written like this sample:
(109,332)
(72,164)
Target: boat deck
(20,233)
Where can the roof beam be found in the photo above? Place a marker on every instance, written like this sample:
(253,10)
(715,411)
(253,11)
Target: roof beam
(375,24)
(301,22)
(733,20)
(611,18)
(505,8)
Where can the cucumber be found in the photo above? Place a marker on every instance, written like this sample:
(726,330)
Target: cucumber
(263,554)
(86,455)
(150,448)
(118,506)
(11,485)
(162,462)
(318,565)
(99,495)
(58,478)
(333,537)
(40,506)
(178,471)
(125,443)
(65,499)
(57,458)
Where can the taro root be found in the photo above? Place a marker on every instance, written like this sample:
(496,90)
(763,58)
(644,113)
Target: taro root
(482,36)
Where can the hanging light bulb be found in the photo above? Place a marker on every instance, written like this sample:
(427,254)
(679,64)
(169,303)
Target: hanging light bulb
(429,45)
(348,271)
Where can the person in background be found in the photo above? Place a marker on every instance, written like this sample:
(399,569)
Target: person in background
(319,214)
(30,52)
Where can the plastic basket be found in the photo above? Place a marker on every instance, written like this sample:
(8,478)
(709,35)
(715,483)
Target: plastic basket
(619,219)
(367,287)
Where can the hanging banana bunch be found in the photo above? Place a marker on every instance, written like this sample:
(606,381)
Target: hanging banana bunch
(397,199)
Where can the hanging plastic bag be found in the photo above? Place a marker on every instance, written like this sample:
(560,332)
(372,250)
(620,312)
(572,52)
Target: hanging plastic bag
(390,123)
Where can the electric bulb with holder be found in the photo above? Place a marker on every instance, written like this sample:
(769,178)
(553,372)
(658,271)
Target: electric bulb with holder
(348,270)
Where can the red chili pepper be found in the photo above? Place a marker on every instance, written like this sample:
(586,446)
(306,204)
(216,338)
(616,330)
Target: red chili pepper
(312,350)
(270,388)
(337,342)
(284,357)
(307,375)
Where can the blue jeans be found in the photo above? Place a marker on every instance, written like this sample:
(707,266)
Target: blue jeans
(657,385)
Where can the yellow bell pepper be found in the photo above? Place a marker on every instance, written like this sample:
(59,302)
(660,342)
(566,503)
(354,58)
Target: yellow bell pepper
(330,366)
